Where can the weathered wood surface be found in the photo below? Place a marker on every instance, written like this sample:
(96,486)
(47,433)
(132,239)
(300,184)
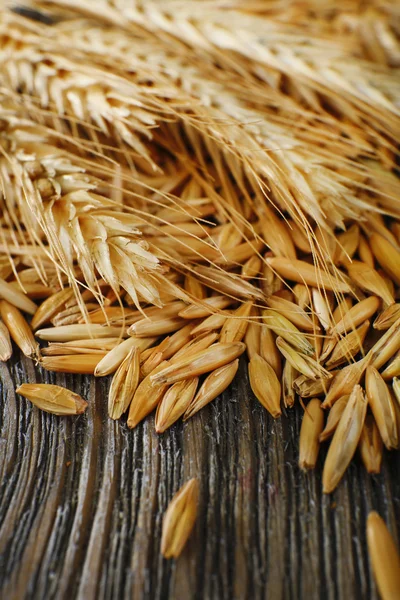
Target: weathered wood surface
(82,499)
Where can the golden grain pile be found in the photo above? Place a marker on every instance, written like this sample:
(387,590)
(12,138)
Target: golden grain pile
(186,182)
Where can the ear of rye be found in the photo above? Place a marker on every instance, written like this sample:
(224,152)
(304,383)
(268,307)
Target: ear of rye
(124,384)
(370,281)
(344,381)
(5,343)
(68,333)
(50,307)
(207,360)
(112,360)
(265,385)
(302,272)
(235,327)
(348,347)
(175,402)
(371,446)
(19,329)
(84,364)
(385,347)
(334,417)
(252,339)
(289,376)
(194,346)
(393,369)
(53,399)
(381,403)
(146,398)
(294,313)
(358,314)
(283,328)
(384,557)
(16,298)
(213,386)
(311,427)
(211,323)
(269,351)
(345,440)
(179,519)
(387,317)
(387,255)
(303,364)
(306,387)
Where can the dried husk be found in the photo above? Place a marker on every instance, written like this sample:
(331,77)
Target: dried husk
(265,385)
(311,428)
(179,519)
(53,399)
(384,557)
(345,440)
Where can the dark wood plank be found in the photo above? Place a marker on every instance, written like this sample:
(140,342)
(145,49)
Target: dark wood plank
(82,500)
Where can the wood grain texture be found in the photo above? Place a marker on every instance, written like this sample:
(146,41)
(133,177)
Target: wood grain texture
(82,500)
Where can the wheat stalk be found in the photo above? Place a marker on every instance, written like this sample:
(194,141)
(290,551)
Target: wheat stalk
(260,138)
(319,61)
(77,222)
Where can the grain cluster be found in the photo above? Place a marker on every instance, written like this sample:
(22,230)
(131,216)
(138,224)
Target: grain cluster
(165,213)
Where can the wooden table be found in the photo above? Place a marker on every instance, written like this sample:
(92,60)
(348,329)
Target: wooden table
(82,500)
